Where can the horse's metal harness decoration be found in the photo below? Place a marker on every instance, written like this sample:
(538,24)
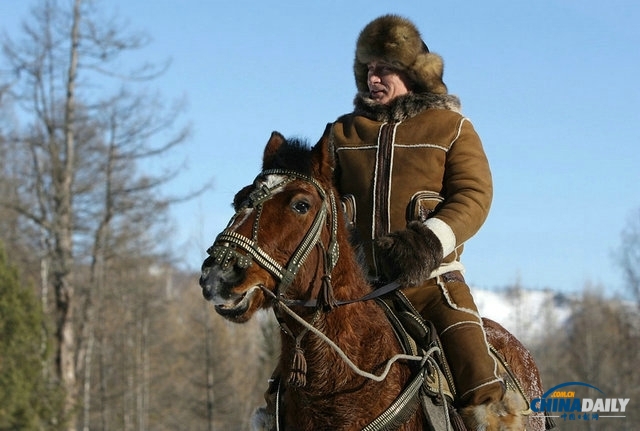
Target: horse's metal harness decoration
(225,247)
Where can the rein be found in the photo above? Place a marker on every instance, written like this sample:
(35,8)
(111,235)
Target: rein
(341,353)
(377,293)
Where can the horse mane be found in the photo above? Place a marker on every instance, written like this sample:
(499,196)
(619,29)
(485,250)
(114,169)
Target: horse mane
(294,154)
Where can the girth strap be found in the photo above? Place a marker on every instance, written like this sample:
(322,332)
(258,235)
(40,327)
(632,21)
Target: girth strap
(402,408)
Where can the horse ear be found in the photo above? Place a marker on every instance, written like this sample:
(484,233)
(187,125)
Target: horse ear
(275,141)
(323,156)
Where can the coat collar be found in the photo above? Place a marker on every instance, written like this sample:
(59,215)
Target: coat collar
(403,107)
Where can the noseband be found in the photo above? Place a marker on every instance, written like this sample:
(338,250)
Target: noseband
(225,249)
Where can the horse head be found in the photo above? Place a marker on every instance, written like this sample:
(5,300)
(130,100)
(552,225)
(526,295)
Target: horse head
(280,221)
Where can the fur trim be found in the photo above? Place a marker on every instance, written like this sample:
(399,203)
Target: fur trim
(403,107)
(508,414)
(397,41)
(262,420)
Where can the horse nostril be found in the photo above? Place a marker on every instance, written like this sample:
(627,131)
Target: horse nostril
(206,293)
(230,275)
(205,271)
(203,281)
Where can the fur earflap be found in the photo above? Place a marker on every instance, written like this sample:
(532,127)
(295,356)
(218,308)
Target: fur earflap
(397,41)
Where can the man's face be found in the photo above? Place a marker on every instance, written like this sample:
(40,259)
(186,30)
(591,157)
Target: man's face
(385,82)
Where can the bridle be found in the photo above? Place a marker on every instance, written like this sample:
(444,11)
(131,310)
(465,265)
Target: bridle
(225,249)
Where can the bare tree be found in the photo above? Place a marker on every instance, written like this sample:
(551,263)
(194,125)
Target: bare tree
(629,255)
(597,346)
(76,183)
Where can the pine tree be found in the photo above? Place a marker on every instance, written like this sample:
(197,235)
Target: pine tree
(27,400)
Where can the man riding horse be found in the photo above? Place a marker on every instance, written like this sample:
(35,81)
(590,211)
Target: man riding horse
(416,185)
(420,187)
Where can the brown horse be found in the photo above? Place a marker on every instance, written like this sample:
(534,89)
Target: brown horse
(287,247)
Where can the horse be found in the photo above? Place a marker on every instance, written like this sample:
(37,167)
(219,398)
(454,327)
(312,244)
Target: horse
(288,248)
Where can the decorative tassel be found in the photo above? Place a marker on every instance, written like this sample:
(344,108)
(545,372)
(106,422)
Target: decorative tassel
(549,423)
(456,419)
(326,299)
(298,375)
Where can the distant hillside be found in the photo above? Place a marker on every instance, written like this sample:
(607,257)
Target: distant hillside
(525,313)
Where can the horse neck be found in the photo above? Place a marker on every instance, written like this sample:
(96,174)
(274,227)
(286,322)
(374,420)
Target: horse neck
(348,275)
(355,328)
(359,330)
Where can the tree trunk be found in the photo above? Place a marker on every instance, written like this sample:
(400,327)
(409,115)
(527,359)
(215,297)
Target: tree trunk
(105,411)
(86,387)
(63,257)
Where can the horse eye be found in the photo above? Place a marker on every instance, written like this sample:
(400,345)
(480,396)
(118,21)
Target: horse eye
(301,207)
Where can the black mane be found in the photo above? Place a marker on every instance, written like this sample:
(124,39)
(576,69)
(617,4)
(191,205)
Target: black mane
(294,155)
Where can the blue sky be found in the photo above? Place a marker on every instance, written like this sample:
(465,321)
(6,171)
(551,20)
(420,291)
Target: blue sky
(550,85)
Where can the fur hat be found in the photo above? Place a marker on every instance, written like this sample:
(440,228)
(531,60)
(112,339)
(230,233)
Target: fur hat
(397,41)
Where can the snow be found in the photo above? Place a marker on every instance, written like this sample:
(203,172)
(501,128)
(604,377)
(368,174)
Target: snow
(527,314)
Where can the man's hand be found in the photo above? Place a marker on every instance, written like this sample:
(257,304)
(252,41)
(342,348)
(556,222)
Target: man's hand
(409,255)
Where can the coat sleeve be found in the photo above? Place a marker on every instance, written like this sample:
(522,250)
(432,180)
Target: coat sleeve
(467,190)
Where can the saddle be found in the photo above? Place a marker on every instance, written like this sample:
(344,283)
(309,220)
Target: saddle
(432,388)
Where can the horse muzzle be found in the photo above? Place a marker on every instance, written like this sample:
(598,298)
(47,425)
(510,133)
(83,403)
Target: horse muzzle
(217,281)
(218,286)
